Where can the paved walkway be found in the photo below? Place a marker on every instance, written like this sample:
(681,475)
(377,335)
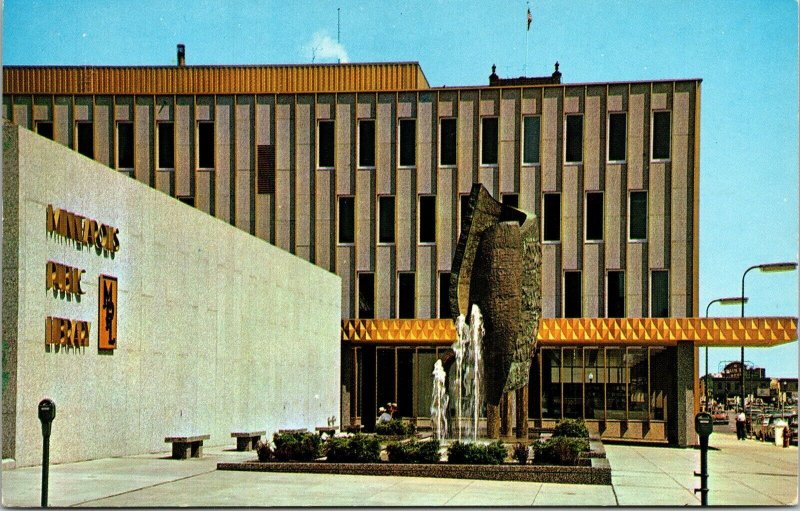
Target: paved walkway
(741,473)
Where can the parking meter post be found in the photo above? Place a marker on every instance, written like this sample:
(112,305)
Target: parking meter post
(703,425)
(47,412)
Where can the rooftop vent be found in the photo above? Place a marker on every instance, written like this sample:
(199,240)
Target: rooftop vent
(496,81)
(181,55)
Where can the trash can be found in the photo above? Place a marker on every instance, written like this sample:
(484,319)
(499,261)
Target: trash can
(779,435)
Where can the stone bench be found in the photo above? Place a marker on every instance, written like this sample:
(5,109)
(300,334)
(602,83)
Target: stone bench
(300,430)
(328,430)
(247,440)
(181,445)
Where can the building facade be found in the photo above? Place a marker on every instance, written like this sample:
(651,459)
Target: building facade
(364,169)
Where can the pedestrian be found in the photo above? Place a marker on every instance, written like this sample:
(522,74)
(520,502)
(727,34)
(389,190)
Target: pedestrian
(385,415)
(741,434)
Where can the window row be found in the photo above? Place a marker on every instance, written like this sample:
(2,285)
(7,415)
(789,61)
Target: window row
(406,145)
(572,296)
(165,143)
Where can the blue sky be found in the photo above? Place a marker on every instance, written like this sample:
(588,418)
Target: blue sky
(745,52)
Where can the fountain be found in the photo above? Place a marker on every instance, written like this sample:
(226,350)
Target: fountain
(439,402)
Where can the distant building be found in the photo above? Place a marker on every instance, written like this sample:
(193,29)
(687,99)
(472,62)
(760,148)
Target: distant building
(728,384)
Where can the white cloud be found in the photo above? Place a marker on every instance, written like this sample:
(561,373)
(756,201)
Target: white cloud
(322,47)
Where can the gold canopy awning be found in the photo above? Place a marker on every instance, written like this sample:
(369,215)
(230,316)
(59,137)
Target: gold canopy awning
(715,332)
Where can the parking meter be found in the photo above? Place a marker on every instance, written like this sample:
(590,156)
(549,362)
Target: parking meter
(704,426)
(47,412)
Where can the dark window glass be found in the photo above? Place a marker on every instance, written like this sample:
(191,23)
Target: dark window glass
(661,122)
(574,139)
(637,216)
(659,294)
(552,217)
(205,145)
(551,383)
(637,387)
(616,294)
(408,142)
(661,380)
(405,296)
(265,170)
(366,143)
(530,151)
(385,375)
(489,141)
(86,139)
(594,378)
(571,376)
(125,145)
(346,219)
(444,295)
(386,224)
(616,399)
(427,219)
(594,216)
(464,205)
(366,295)
(325,144)
(45,129)
(616,137)
(447,142)
(166,145)
(405,383)
(187,199)
(572,294)
(512,199)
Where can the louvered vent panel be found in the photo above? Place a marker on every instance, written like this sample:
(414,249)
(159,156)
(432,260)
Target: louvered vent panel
(266,169)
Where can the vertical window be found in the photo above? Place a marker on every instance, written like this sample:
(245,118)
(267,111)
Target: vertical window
(617,133)
(325,144)
(124,145)
(448,142)
(489,141)
(463,211)
(661,129)
(551,383)
(552,217)
(386,219)
(444,295)
(571,377)
(85,139)
(265,170)
(572,294)
(637,216)
(615,292)
(45,129)
(594,378)
(636,359)
(594,216)
(659,294)
(405,296)
(511,199)
(616,400)
(346,220)
(366,295)
(366,143)
(186,199)
(205,145)
(166,145)
(530,143)
(573,139)
(408,142)
(427,219)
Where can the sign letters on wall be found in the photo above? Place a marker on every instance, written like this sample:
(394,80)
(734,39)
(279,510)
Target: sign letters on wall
(107,313)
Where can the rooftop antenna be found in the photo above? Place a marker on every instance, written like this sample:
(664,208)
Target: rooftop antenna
(338,29)
(528,29)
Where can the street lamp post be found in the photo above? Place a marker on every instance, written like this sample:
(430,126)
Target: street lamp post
(733,300)
(767,267)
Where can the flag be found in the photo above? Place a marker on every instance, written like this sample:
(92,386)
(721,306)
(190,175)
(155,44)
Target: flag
(530,18)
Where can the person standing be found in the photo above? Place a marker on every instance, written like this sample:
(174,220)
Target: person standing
(740,426)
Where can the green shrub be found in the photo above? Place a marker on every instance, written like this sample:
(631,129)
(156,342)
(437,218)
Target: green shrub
(300,446)
(355,449)
(413,452)
(572,428)
(263,450)
(560,450)
(395,427)
(521,453)
(476,454)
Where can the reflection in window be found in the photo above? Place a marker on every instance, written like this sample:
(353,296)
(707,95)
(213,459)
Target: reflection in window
(385,377)
(572,377)
(615,389)
(637,389)
(551,385)
(594,361)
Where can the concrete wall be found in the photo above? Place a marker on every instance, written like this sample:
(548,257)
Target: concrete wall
(217,329)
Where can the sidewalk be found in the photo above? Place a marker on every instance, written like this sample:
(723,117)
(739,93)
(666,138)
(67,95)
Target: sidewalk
(741,473)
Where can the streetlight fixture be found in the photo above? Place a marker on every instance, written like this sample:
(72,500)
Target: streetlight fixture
(732,300)
(769,268)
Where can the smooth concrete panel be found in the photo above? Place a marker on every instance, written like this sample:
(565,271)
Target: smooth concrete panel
(531,103)
(426,288)
(658,231)
(62,120)
(324,235)
(41,110)
(385,277)
(551,280)
(165,109)
(223,178)
(385,148)
(84,108)
(284,214)
(550,151)
(305,161)
(345,264)
(245,184)
(638,148)
(210,370)
(615,230)
(572,217)
(143,134)
(123,108)
(365,220)
(426,144)
(165,182)
(487,176)
(406,220)
(365,107)
(509,149)
(203,188)
(446,219)
(22,111)
(593,281)
(284,180)
(594,129)
(184,146)
(345,145)
(637,280)
(103,131)
(467,151)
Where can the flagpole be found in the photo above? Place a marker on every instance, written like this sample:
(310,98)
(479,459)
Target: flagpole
(527,29)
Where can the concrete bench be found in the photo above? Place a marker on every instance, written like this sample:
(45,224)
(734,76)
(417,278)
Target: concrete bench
(328,430)
(181,445)
(247,440)
(301,430)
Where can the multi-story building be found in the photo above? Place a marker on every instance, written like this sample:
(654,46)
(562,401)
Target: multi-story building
(364,170)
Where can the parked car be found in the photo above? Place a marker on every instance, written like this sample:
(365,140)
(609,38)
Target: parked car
(793,429)
(769,424)
(720,418)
